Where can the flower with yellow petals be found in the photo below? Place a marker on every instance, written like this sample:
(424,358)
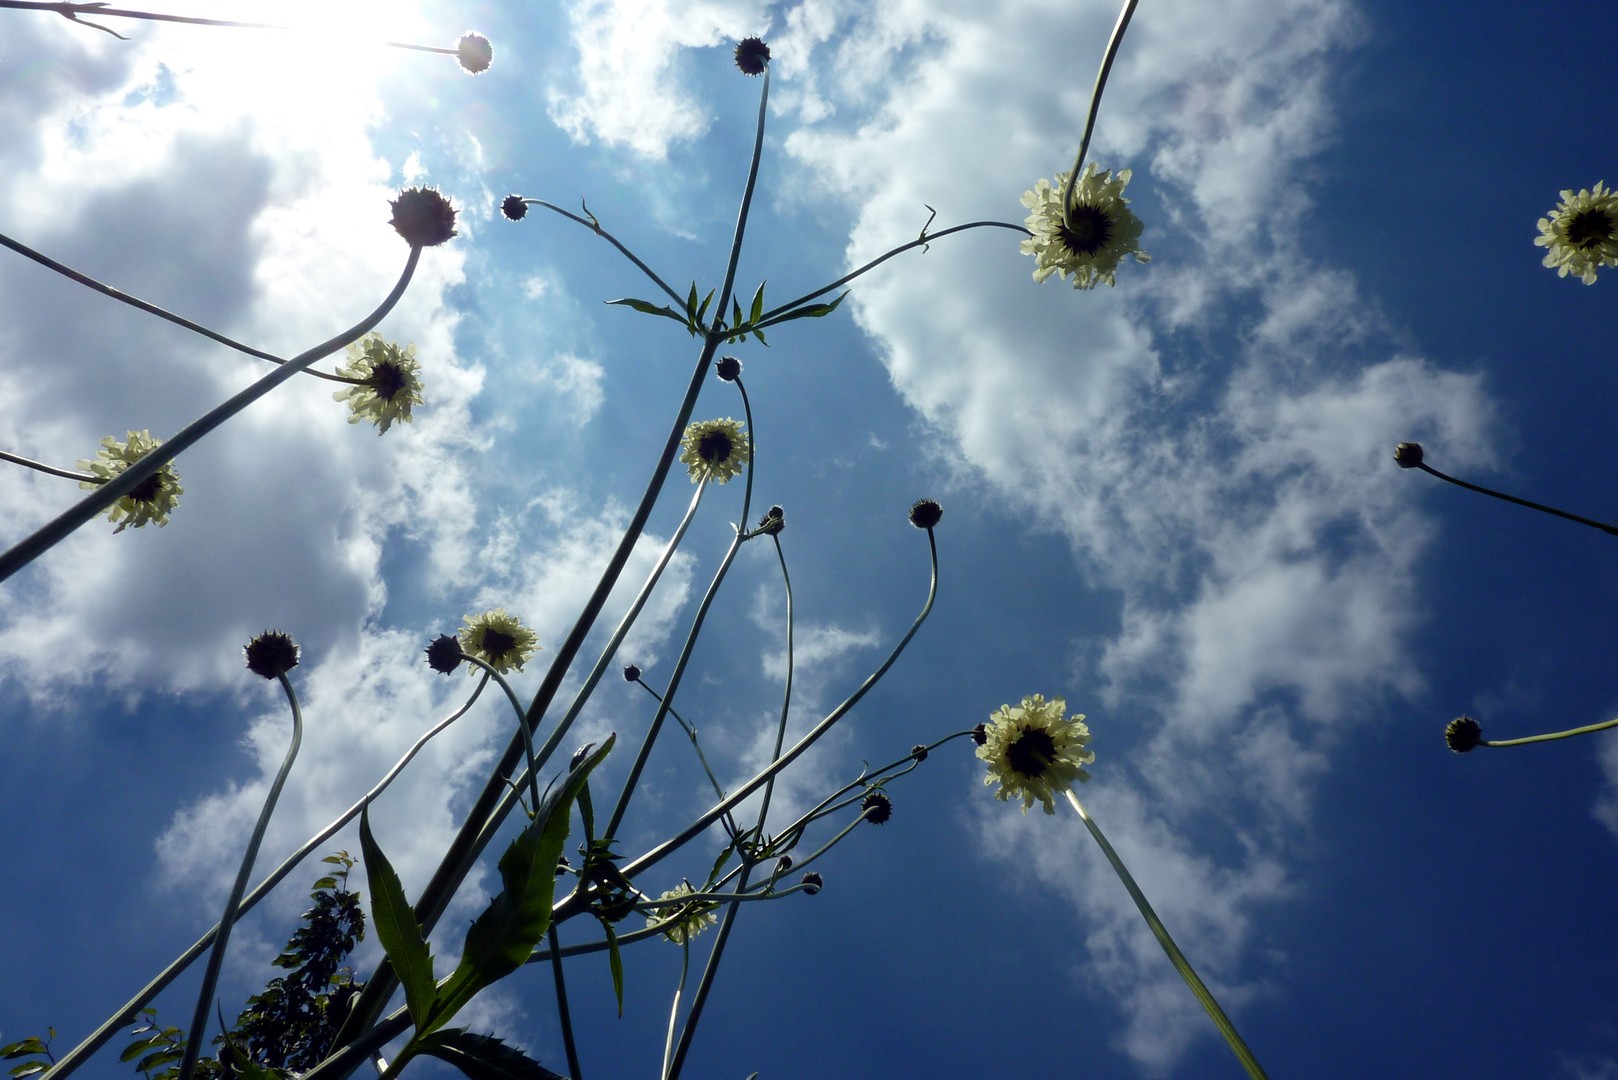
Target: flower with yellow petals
(391,387)
(1089,237)
(1034,753)
(152,499)
(716,449)
(1581,233)
(498,639)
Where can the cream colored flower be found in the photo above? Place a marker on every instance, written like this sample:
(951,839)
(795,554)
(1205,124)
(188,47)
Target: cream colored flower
(681,924)
(1581,233)
(391,385)
(1035,754)
(716,449)
(498,639)
(1091,238)
(152,499)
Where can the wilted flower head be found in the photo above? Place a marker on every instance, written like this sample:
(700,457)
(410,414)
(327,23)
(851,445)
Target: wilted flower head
(514,208)
(925,513)
(150,500)
(681,924)
(423,216)
(1034,753)
(271,654)
(474,52)
(391,388)
(752,56)
(1462,734)
(444,654)
(498,639)
(1581,233)
(716,449)
(1089,237)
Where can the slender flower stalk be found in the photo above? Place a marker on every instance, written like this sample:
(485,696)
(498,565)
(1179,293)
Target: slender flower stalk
(1107,58)
(1409,455)
(1176,957)
(210,979)
(49,470)
(1463,734)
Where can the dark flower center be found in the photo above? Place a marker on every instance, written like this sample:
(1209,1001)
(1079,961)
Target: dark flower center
(714,447)
(497,643)
(387,379)
(1033,753)
(1085,229)
(146,491)
(1590,228)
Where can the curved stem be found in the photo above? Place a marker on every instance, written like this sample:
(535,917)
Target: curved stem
(1541,507)
(747,203)
(126,1015)
(563,1015)
(210,978)
(522,723)
(718,810)
(786,693)
(1176,957)
(595,226)
(1113,42)
(53,532)
(39,466)
(1552,735)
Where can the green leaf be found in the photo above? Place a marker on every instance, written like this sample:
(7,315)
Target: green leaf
(760,335)
(501,939)
(650,308)
(245,1066)
(484,1057)
(32,1068)
(22,1048)
(691,303)
(809,311)
(396,927)
(615,961)
(324,883)
(136,1049)
(703,310)
(162,1057)
(758,304)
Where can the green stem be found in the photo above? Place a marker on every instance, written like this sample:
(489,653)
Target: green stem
(1541,507)
(51,470)
(58,529)
(1551,736)
(210,979)
(595,226)
(1176,957)
(563,1015)
(1113,42)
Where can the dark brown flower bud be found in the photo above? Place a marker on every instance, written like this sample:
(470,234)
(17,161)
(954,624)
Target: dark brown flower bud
(444,654)
(423,217)
(752,56)
(631,673)
(514,208)
(877,808)
(271,654)
(812,883)
(729,368)
(925,513)
(1463,733)
(1407,455)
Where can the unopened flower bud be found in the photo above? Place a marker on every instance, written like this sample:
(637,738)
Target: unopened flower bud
(444,654)
(271,654)
(474,52)
(514,208)
(729,368)
(925,513)
(752,56)
(631,673)
(423,216)
(1407,455)
(877,808)
(811,883)
(919,752)
(783,864)
(980,734)
(1463,733)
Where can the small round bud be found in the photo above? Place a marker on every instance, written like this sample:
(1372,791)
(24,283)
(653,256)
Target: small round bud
(752,56)
(812,883)
(919,752)
(729,368)
(783,864)
(474,52)
(514,208)
(444,654)
(423,216)
(877,808)
(271,654)
(1463,733)
(980,734)
(1407,455)
(631,673)
(773,521)
(925,513)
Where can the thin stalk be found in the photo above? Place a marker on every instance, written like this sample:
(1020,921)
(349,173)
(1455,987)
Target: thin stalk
(152,309)
(786,693)
(1113,42)
(126,1015)
(674,1006)
(702,759)
(595,226)
(747,203)
(562,1013)
(1176,957)
(1541,507)
(522,723)
(40,466)
(1552,735)
(714,813)
(53,532)
(210,978)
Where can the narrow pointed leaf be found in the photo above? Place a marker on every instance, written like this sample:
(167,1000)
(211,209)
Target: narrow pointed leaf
(615,960)
(649,308)
(760,335)
(484,1057)
(706,300)
(758,304)
(809,311)
(501,939)
(396,926)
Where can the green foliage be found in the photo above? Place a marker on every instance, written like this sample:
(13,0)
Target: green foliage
(484,1057)
(397,928)
(33,1047)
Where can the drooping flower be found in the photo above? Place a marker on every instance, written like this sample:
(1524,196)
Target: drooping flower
(1581,233)
(752,56)
(498,639)
(716,449)
(474,53)
(391,388)
(423,216)
(271,654)
(1091,236)
(152,499)
(1034,753)
(681,924)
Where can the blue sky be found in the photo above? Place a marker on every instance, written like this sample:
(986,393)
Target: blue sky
(1172,503)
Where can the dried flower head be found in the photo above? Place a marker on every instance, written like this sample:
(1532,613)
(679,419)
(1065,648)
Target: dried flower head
(498,639)
(716,449)
(1581,233)
(514,207)
(1462,734)
(752,56)
(271,654)
(1034,753)
(925,513)
(682,923)
(876,807)
(444,654)
(1089,237)
(423,216)
(149,501)
(474,52)
(391,386)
